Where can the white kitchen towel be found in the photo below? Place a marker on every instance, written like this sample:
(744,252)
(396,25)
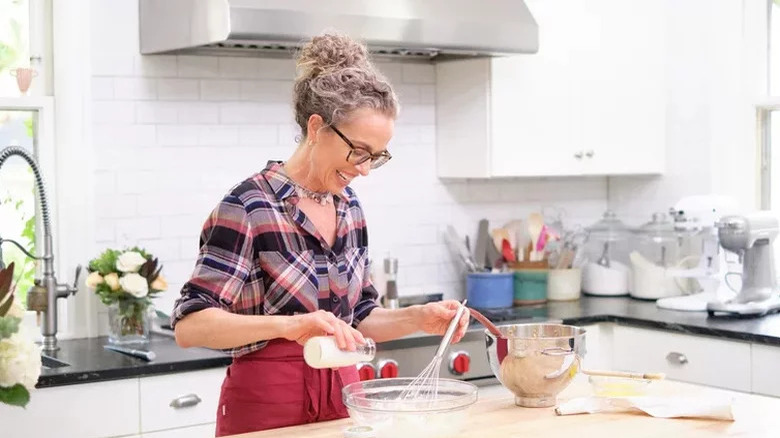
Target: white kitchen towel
(661,407)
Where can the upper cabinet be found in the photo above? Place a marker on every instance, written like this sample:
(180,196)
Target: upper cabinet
(592,101)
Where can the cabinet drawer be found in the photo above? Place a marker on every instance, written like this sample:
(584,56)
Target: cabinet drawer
(159,392)
(764,360)
(86,410)
(695,359)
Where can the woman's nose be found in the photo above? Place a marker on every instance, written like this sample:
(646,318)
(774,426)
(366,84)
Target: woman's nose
(364,168)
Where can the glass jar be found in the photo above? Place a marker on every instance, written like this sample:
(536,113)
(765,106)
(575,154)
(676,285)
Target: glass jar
(606,271)
(657,248)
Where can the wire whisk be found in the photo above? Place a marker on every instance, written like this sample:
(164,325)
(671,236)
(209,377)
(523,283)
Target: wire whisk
(426,385)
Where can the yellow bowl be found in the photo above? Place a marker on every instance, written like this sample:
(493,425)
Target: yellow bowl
(618,386)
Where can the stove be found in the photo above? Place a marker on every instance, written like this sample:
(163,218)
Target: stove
(466,360)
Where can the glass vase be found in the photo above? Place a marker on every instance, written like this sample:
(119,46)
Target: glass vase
(129,322)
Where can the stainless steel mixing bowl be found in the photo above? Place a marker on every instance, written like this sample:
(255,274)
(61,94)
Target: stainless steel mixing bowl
(536,361)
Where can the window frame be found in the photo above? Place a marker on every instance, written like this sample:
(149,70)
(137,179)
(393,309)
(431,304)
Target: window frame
(765,106)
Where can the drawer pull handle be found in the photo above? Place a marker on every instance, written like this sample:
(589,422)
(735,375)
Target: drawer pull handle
(677,358)
(185,401)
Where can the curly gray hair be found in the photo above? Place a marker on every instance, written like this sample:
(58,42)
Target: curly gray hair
(335,77)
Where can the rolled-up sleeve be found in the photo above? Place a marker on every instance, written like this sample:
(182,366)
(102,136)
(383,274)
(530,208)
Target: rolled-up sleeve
(368,297)
(224,262)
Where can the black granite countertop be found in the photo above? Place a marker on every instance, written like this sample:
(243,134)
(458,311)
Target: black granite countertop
(88,361)
(638,313)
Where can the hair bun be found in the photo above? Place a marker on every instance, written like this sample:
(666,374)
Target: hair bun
(330,52)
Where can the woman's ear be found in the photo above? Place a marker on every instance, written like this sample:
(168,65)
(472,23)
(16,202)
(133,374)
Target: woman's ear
(313,127)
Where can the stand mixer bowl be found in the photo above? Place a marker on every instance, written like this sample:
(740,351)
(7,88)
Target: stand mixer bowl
(536,361)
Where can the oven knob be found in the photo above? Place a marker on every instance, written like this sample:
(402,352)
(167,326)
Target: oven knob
(460,361)
(388,369)
(366,371)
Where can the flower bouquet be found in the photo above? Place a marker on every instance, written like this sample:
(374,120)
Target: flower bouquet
(20,357)
(126,281)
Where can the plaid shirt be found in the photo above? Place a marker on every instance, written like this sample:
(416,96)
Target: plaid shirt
(260,255)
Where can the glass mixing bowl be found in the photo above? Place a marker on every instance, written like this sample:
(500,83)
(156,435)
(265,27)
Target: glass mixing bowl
(607,386)
(376,403)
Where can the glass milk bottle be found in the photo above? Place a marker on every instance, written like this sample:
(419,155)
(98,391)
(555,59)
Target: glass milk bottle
(323,352)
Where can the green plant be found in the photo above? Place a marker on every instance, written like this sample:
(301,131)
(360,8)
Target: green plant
(12,254)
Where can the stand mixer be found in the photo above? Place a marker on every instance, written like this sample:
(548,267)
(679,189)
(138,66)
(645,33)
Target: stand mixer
(699,215)
(751,237)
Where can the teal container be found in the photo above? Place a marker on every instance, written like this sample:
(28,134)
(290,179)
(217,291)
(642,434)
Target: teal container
(530,286)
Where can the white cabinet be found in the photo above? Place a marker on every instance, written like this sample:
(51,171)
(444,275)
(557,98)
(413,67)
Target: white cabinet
(598,347)
(590,102)
(179,400)
(89,410)
(764,361)
(695,359)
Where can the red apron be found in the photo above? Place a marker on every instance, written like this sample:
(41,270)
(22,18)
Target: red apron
(273,387)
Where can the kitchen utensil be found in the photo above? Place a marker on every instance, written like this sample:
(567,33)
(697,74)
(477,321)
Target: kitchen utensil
(426,384)
(481,247)
(141,354)
(459,249)
(527,353)
(535,224)
(506,251)
(625,375)
(489,290)
(604,259)
(391,288)
(376,403)
(517,234)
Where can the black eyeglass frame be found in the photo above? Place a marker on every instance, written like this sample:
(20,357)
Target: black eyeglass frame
(377,160)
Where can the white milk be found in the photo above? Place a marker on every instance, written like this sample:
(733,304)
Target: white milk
(323,352)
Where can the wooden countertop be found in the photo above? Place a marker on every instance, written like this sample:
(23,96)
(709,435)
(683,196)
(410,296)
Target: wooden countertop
(495,415)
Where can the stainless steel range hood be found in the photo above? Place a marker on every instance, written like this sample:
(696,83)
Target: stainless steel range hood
(426,28)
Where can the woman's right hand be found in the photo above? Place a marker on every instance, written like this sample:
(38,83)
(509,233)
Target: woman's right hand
(322,323)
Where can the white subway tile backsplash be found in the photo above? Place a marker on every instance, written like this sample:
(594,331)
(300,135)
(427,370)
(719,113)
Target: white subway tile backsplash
(198,66)
(115,206)
(134,89)
(219,90)
(136,182)
(129,231)
(200,113)
(157,112)
(267,91)
(258,135)
(104,111)
(177,135)
(413,73)
(102,88)
(118,135)
(104,231)
(178,89)
(166,250)
(428,94)
(250,113)
(218,135)
(184,225)
(417,115)
(105,183)
(112,64)
(156,66)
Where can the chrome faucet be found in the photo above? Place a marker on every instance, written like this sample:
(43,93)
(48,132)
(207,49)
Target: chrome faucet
(43,296)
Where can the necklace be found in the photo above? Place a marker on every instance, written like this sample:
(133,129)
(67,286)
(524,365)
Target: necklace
(321,198)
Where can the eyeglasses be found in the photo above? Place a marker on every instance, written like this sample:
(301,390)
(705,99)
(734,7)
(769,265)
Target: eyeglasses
(358,155)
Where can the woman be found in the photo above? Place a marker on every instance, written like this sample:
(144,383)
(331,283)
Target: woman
(284,257)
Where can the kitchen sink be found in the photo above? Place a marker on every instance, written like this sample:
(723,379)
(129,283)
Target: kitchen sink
(51,363)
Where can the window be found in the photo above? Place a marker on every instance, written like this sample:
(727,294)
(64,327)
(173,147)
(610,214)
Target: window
(769,115)
(14,43)
(17,198)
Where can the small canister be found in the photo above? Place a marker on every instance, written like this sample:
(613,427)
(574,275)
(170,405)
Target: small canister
(530,286)
(564,284)
(487,290)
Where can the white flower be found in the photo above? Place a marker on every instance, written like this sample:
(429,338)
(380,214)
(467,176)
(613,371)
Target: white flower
(20,361)
(135,285)
(94,279)
(16,310)
(112,280)
(130,261)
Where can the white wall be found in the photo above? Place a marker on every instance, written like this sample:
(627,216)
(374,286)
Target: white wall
(173,133)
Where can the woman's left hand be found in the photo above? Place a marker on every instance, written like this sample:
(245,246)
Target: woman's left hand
(435,318)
